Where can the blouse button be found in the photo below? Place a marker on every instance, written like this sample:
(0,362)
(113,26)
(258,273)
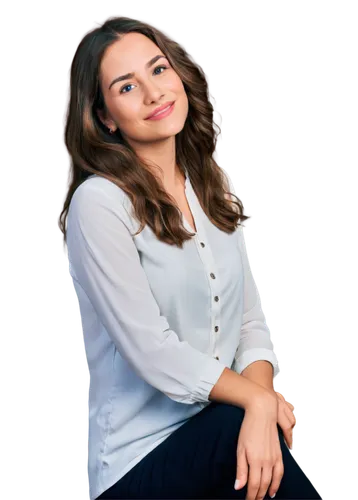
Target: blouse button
(202,244)
(216,298)
(216,328)
(212,275)
(217,357)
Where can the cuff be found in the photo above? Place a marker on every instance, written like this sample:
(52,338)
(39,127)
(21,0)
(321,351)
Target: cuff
(210,374)
(256,354)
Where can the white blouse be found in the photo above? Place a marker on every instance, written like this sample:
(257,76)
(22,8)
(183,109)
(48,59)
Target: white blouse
(159,323)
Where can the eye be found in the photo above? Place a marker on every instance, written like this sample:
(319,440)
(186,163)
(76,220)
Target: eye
(122,89)
(129,84)
(160,67)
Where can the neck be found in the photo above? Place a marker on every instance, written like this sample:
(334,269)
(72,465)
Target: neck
(161,158)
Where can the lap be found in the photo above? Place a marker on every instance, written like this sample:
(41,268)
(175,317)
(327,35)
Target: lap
(197,460)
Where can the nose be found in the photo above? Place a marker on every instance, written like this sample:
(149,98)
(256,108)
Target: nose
(152,92)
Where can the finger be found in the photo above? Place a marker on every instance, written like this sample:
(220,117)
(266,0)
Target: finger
(287,434)
(293,440)
(242,469)
(290,439)
(290,416)
(254,481)
(286,427)
(280,396)
(292,405)
(266,477)
(277,474)
(289,410)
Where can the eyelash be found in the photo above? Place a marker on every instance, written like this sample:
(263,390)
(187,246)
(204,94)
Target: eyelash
(128,84)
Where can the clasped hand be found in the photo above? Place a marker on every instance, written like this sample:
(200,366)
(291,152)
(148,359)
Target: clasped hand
(285,418)
(258,448)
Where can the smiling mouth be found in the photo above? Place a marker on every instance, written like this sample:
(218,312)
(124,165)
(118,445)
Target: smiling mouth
(162,112)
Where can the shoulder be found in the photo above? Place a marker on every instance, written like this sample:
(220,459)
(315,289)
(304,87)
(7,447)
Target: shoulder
(97,189)
(98,197)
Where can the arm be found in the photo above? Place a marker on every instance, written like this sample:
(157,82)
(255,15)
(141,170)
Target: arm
(255,343)
(260,372)
(237,390)
(105,262)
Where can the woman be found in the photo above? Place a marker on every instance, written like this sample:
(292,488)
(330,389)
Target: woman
(181,399)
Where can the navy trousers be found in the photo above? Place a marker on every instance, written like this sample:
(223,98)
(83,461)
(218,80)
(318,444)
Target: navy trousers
(198,460)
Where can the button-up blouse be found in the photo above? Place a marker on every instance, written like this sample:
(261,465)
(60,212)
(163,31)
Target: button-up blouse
(160,323)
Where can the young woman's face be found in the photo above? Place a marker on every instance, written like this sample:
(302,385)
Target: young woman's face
(131,100)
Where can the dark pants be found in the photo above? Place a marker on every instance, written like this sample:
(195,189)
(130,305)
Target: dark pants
(198,460)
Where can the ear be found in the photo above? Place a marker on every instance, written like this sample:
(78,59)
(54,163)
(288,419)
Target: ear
(107,122)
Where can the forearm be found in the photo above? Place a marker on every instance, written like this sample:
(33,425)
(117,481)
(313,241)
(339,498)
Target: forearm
(260,372)
(232,388)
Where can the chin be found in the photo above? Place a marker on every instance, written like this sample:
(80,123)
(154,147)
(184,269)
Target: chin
(168,131)
(171,129)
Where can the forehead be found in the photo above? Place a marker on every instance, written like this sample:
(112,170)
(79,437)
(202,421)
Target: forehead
(128,54)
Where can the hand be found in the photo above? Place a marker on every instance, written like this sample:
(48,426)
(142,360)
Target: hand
(285,418)
(258,452)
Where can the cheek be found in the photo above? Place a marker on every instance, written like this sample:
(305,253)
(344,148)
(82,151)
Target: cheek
(181,96)
(183,103)
(178,87)
(127,114)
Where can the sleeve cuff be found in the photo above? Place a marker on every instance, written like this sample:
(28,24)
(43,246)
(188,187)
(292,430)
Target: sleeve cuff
(211,372)
(256,354)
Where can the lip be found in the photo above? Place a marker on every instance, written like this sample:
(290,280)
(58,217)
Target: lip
(154,116)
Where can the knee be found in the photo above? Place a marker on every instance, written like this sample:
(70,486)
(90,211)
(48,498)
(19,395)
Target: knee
(229,413)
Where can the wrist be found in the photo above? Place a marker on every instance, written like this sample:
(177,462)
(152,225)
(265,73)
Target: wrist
(264,401)
(265,384)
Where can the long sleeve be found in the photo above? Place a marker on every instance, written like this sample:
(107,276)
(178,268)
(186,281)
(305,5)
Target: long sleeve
(255,340)
(105,262)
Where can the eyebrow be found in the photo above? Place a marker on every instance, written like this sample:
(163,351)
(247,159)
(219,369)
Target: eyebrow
(131,75)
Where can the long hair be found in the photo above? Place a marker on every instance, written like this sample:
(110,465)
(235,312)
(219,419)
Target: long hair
(93,150)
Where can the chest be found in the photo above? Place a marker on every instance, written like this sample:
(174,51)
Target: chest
(183,205)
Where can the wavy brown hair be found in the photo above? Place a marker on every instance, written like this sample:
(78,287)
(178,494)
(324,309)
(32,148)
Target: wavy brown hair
(93,150)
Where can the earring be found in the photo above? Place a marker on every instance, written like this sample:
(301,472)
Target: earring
(110,131)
